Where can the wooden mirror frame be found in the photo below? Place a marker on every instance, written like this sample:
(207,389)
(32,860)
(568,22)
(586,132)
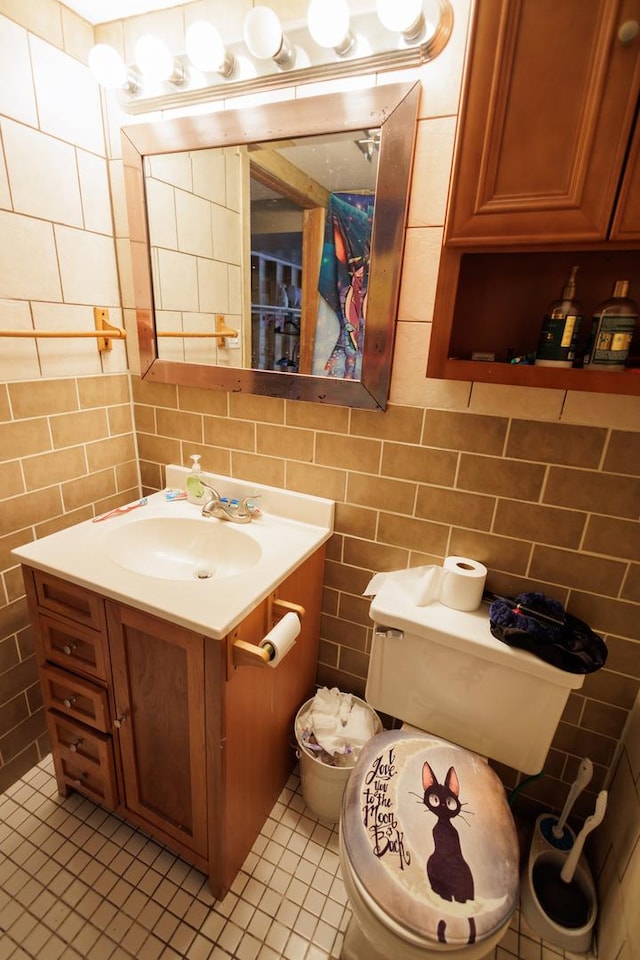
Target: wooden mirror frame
(393,109)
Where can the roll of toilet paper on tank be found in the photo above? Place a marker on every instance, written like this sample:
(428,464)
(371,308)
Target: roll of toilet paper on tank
(281,638)
(458,583)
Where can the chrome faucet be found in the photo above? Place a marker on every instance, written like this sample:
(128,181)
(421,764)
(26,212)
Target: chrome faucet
(216,506)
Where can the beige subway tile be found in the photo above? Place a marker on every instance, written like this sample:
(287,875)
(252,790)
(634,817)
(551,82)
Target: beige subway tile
(316,480)
(49,468)
(374,556)
(87,490)
(287,442)
(623,453)
(354,662)
(20,737)
(77,33)
(474,433)
(577,570)
(496,553)
(69,429)
(579,407)
(612,688)
(24,438)
(396,423)
(246,406)
(338,631)
(144,418)
(408,462)
(10,542)
(584,743)
(455,507)
(631,586)
(154,394)
(624,656)
(127,477)
(317,416)
(267,470)
(593,491)
(151,477)
(603,718)
(552,525)
(604,614)
(333,677)
(525,402)
(212,459)
(632,742)
(432,164)
(330,600)
(103,391)
(412,534)
(345,578)
(409,382)
(235,434)
(355,521)
(208,402)
(624,810)
(29,509)
(5,410)
(174,423)
(120,420)
(64,520)
(510,585)
(380,493)
(334,547)
(328,653)
(616,538)
(14,584)
(500,477)
(349,453)
(556,443)
(158,449)
(11,482)
(355,609)
(420,263)
(37,398)
(110,452)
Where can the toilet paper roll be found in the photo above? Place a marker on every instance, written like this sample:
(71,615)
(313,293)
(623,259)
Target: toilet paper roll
(281,638)
(458,583)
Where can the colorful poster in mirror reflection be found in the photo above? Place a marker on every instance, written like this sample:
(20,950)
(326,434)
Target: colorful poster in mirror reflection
(343,283)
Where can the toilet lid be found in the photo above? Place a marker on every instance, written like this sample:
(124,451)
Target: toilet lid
(430,836)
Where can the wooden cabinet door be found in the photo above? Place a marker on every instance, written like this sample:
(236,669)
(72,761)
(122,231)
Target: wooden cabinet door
(158,671)
(626,223)
(551,95)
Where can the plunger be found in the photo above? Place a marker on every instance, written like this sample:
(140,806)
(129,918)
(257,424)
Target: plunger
(561,897)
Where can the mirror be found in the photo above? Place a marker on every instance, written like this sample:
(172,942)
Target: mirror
(302,306)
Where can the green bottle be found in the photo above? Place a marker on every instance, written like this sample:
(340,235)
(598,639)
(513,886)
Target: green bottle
(561,328)
(612,331)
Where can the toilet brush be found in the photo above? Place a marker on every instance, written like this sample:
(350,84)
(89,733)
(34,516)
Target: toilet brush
(585,772)
(570,864)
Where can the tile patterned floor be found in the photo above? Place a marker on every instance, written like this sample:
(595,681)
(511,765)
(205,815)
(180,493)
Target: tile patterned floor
(77,883)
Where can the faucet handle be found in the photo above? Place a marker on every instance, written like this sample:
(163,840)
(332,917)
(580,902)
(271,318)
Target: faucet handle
(243,509)
(214,493)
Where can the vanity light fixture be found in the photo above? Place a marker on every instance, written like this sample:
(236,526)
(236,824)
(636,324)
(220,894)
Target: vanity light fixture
(264,37)
(329,25)
(330,44)
(206,51)
(156,62)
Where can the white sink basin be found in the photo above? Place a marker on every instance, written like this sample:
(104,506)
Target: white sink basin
(182,548)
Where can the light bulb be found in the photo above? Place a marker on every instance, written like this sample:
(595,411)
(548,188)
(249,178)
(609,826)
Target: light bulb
(402,16)
(328,22)
(107,66)
(264,37)
(206,50)
(156,62)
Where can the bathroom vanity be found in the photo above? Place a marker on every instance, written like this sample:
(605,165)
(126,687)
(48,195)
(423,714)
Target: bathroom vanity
(165,710)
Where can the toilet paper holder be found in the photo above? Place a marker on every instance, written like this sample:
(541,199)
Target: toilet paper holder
(245,654)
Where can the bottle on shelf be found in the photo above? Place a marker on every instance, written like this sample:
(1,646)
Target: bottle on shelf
(561,328)
(612,330)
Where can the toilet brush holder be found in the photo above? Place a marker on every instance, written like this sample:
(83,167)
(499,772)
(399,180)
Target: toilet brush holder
(561,913)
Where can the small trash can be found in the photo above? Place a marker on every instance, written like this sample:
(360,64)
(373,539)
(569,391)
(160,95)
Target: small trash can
(323,782)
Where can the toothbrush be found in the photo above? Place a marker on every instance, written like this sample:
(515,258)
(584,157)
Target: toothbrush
(590,824)
(119,510)
(585,772)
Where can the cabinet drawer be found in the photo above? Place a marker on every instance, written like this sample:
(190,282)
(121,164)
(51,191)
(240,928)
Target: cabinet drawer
(83,759)
(73,646)
(60,597)
(79,699)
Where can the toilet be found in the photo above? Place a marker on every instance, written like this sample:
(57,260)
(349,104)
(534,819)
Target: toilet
(428,845)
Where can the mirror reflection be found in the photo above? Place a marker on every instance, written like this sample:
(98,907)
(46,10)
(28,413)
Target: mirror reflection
(309,203)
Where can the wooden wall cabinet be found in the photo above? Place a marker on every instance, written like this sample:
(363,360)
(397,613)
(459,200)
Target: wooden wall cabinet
(546,175)
(156,723)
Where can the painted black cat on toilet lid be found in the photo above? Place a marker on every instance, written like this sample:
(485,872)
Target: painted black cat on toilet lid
(431,838)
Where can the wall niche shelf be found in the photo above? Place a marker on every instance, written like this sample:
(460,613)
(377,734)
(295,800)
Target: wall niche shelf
(494,301)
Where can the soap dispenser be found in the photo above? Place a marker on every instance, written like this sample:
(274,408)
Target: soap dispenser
(612,328)
(561,328)
(196,492)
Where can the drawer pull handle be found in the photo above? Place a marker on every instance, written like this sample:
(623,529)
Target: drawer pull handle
(69,701)
(75,746)
(81,780)
(69,648)
(119,722)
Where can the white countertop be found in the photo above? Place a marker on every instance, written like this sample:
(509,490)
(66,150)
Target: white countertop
(290,528)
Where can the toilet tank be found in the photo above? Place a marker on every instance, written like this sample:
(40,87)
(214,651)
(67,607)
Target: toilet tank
(442,670)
